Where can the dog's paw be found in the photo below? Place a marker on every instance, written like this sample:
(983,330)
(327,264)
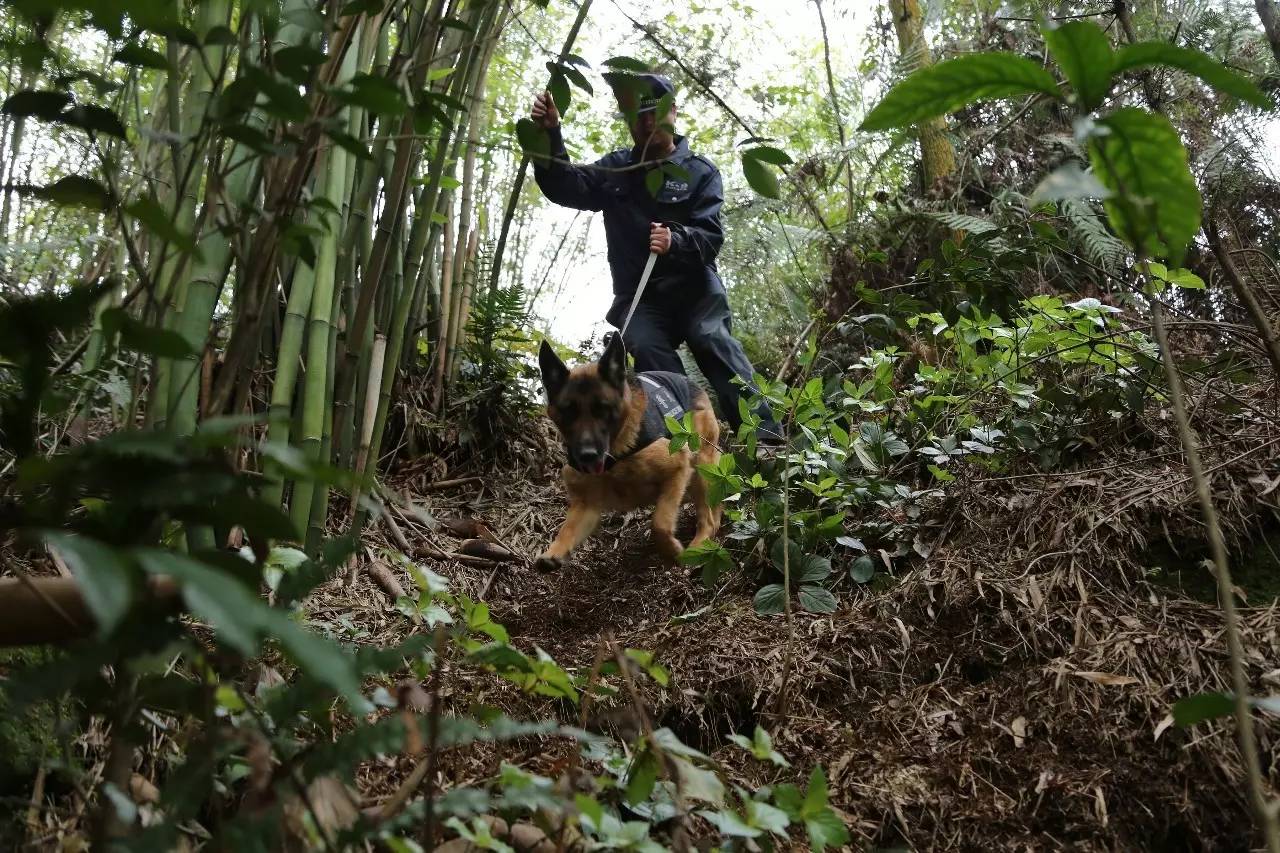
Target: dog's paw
(548,564)
(668,548)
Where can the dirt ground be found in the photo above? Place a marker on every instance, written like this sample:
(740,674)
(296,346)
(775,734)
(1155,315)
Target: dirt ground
(1011,692)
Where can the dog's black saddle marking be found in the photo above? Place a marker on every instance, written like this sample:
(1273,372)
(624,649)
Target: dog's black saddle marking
(669,395)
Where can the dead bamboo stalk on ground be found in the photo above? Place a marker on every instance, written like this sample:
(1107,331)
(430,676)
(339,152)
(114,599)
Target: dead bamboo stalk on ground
(38,610)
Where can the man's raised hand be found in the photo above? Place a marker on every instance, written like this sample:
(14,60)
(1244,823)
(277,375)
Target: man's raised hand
(544,112)
(659,238)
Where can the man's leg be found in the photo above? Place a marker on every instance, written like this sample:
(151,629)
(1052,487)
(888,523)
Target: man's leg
(720,357)
(651,340)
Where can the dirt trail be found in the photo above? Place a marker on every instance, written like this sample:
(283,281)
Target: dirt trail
(974,704)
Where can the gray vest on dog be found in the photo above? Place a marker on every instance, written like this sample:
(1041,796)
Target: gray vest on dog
(669,395)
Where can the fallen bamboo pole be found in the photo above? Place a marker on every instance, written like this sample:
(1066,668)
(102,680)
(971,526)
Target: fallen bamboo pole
(42,610)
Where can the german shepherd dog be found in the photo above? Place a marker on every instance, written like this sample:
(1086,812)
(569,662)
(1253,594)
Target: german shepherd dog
(599,411)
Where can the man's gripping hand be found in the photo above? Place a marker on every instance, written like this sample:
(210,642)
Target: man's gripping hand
(544,112)
(659,238)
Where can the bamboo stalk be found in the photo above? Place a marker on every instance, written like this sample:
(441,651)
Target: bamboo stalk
(176,389)
(1264,812)
(371,399)
(314,420)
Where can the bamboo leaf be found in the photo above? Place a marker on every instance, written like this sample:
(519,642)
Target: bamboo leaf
(376,94)
(95,119)
(157,220)
(149,340)
(42,105)
(71,191)
(943,88)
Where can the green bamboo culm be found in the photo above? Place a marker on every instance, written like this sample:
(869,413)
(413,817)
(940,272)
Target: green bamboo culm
(331,181)
(297,310)
(176,379)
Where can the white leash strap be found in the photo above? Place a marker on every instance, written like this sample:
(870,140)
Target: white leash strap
(644,280)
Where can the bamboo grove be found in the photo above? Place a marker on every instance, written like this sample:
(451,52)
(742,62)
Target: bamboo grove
(290,195)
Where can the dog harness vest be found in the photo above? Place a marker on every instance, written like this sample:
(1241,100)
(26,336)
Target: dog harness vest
(669,395)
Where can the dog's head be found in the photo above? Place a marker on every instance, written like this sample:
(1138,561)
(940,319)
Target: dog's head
(587,403)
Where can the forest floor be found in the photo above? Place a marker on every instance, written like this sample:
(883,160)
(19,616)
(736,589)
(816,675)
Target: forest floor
(1011,691)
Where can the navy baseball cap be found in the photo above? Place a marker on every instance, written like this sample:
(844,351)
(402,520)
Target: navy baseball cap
(649,88)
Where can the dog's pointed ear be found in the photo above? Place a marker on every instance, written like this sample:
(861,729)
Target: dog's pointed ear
(554,371)
(613,364)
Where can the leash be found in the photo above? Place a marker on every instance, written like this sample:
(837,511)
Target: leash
(644,281)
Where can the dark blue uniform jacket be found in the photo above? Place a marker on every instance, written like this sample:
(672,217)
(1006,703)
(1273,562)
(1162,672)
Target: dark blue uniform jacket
(691,209)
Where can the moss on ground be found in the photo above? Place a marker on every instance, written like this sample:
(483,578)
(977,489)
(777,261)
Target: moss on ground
(29,738)
(1255,568)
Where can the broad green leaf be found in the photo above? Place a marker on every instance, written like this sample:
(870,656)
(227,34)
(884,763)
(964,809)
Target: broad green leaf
(644,775)
(731,824)
(653,183)
(812,569)
(770,600)
(826,830)
(672,745)
(626,63)
(699,784)
(560,91)
(769,154)
(1084,54)
(1202,706)
(578,79)
(767,817)
(788,798)
(590,808)
(1193,62)
(234,613)
(817,599)
(317,656)
(948,86)
(104,576)
(533,139)
(815,796)
(242,619)
(1177,277)
(794,554)
(761,178)
(862,569)
(1155,204)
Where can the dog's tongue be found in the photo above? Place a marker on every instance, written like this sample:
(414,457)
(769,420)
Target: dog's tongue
(598,468)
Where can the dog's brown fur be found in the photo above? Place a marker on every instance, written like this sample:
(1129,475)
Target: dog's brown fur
(595,400)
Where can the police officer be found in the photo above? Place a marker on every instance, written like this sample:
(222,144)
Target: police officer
(685,299)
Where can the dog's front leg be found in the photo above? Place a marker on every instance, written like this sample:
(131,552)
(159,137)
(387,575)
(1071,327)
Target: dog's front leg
(580,523)
(665,511)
